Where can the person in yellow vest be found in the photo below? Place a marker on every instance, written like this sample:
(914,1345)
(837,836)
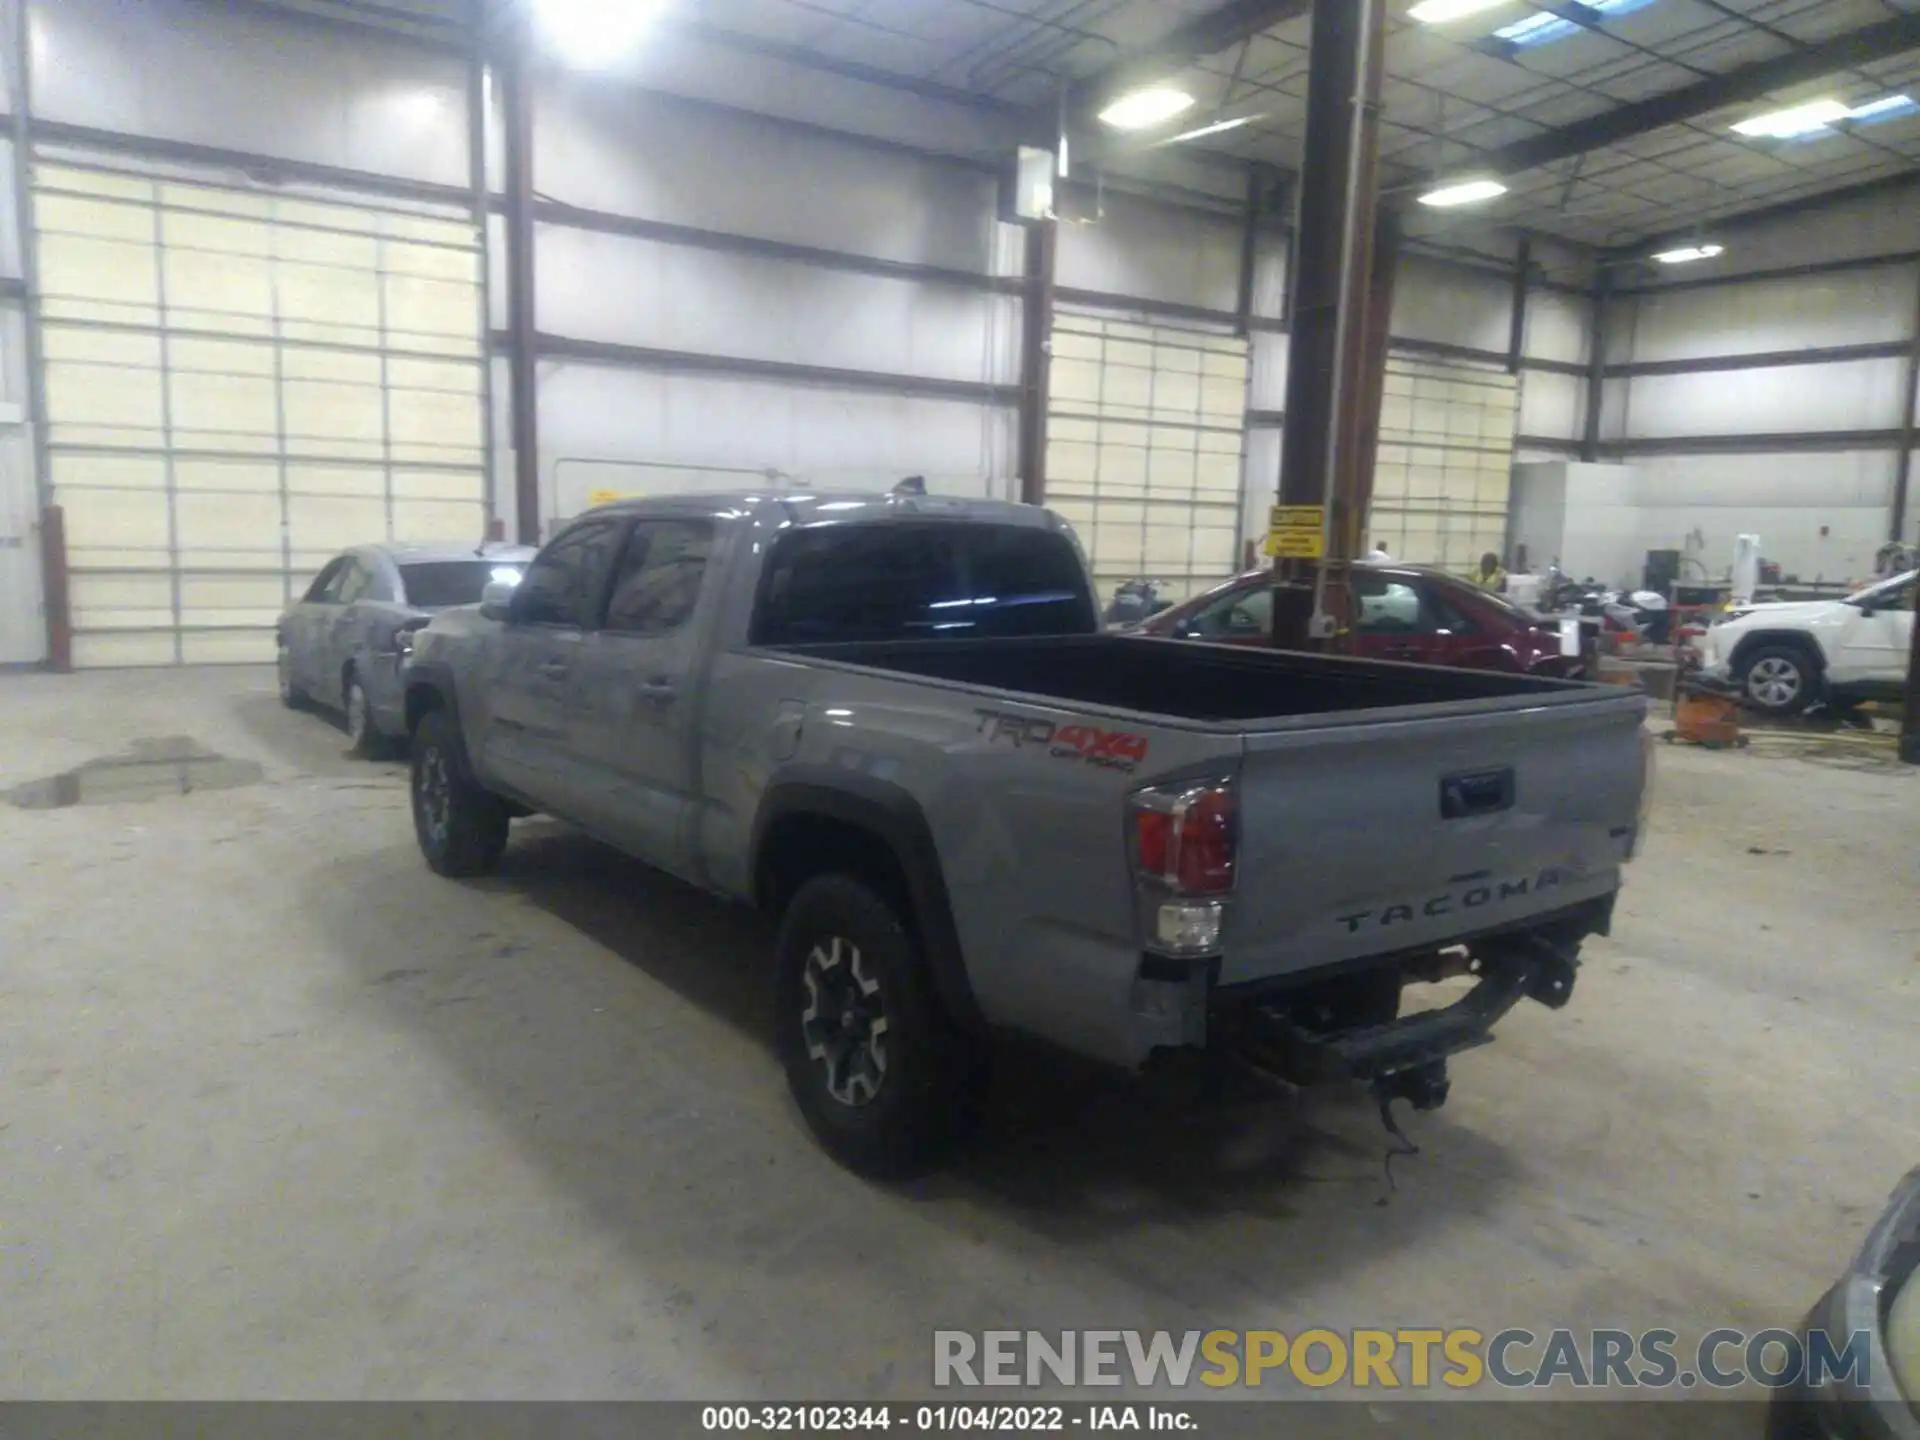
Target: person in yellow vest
(1492,575)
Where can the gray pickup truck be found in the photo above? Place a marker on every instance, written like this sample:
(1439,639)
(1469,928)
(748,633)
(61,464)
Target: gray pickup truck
(896,723)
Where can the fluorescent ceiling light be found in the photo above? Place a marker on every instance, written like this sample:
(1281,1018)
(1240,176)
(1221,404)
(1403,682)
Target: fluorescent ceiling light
(594,34)
(1815,120)
(1544,29)
(1439,12)
(1217,128)
(1796,120)
(1690,252)
(1463,192)
(1140,109)
(1883,109)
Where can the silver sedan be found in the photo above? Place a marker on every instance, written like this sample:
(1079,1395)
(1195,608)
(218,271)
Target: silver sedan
(341,644)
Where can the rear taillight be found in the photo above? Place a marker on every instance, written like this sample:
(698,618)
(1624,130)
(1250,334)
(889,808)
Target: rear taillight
(1184,838)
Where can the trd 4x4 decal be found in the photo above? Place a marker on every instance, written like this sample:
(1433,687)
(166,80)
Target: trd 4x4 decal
(1111,749)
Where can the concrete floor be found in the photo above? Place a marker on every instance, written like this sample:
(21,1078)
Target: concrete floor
(282,1114)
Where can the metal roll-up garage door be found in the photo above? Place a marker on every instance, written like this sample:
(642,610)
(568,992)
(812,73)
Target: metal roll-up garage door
(240,383)
(1445,466)
(1145,430)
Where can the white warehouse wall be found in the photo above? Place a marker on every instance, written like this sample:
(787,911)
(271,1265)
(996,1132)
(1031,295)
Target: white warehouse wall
(1798,447)
(637,423)
(744,147)
(1768,400)
(1820,514)
(1152,252)
(241,80)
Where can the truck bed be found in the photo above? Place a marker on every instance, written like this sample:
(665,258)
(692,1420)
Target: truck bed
(1384,808)
(1217,684)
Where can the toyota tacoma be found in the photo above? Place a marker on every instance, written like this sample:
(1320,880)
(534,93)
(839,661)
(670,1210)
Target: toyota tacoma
(896,723)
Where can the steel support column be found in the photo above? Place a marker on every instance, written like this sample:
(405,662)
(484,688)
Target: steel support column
(1388,240)
(1036,358)
(1596,365)
(20,84)
(57,585)
(1250,224)
(1909,398)
(516,96)
(483,219)
(1517,315)
(1326,387)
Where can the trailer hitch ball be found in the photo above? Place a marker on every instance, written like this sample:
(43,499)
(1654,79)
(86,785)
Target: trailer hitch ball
(1424,1087)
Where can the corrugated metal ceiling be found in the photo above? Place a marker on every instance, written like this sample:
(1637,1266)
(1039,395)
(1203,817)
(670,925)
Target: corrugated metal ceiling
(1449,102)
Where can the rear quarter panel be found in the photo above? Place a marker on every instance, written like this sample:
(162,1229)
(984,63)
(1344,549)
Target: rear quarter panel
(1026,816)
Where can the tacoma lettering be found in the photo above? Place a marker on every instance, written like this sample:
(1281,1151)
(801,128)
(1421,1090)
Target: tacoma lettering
(1439,905)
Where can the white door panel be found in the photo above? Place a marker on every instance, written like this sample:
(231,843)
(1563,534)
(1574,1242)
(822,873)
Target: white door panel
(1443,474)
(1873,649)
(301,376)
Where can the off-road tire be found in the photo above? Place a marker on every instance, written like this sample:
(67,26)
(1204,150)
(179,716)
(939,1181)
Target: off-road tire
(933,1088)
(461,826)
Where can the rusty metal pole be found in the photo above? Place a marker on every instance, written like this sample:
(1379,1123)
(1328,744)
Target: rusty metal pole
(1326,390)
(1389,233)
(58,591)
(1036,357)
(516,96)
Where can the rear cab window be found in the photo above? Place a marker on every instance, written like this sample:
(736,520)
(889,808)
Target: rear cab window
(904,580)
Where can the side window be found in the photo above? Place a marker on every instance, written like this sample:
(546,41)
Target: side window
(566,579)
(1242,614)
(379,588)
(1443,614)
(353,582)
(1389,607)
(327,582)
(659,581)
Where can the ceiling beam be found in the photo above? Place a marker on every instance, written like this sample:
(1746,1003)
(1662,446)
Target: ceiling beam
(1781,210)
(1194,39)
(1749,82)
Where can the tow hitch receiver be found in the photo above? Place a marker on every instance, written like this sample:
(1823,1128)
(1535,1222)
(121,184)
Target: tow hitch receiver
(1406,1058)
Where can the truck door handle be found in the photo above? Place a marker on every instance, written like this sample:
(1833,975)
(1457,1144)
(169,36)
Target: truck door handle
(659,690)
(554,669)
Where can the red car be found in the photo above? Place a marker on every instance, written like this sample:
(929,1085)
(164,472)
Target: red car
(1405,613)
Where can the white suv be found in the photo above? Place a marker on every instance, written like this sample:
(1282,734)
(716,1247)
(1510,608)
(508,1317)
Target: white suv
(1785,656)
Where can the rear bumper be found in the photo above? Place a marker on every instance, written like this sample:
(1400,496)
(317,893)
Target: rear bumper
(1179,1004)
(1533,964)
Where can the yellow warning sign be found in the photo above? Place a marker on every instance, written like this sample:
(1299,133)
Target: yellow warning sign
(1296,532)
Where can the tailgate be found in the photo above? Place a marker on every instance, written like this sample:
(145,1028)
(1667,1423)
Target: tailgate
(1371,836)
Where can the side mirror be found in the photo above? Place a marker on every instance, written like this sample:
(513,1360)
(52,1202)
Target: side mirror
(496,601)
